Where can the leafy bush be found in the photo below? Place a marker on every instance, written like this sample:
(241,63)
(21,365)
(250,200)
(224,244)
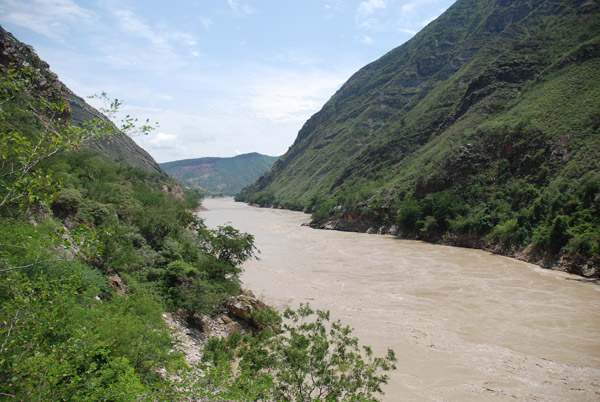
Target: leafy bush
(72,346)
(313,360)
(66,201)
(409,213)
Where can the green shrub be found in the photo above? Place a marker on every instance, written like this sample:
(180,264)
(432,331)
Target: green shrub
(408,214)
(559,233)
(67,201)
(85,349)
(314,360)
(509,234)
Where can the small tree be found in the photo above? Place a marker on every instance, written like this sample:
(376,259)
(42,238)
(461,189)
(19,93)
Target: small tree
(314,360)
(229,247)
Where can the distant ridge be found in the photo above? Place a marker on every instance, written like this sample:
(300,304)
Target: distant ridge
(220,176)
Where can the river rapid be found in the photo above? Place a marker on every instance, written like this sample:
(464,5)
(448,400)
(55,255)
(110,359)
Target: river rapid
(466,325)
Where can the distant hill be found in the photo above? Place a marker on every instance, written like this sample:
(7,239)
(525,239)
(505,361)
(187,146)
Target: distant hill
(483,130)
(224,176)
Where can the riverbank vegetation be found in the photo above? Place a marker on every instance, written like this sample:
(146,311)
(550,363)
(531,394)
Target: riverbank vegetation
(93,253)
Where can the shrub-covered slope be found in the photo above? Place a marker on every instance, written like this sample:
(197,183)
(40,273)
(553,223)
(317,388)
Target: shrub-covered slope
(73,224)
(221,176)
(483,130)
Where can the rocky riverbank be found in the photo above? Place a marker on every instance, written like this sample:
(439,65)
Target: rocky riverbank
(573,264)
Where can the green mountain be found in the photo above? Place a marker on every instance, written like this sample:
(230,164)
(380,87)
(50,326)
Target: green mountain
(483,130)
(224,176)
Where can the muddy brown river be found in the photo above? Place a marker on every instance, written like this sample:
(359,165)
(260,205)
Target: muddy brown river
(466,325)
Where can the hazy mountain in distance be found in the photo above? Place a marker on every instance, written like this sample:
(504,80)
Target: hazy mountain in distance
(224,176)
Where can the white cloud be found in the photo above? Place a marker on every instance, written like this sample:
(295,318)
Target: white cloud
(369,15)
(240,7)
(396,16)
(406,8)
(333,4)
(206,22)
(366,39)
(47,17)
(163,140)
(370,6)
(366,8)
(132,24)
(291,96)
(371,24)
(408,31)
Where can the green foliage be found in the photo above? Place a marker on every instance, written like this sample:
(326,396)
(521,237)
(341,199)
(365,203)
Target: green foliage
(33,129)
(228,246)
(313,360)
(509,234)
(68,217)
(128,124)
(67,201)
(409,214)
(60,342)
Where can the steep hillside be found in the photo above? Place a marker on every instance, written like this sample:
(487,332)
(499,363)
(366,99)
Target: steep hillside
(483,130)
(93,254)
(224,176)
(119,148)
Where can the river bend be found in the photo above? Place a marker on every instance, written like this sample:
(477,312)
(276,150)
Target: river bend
(465,324)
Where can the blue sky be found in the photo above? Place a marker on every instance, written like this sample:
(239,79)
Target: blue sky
(222,77)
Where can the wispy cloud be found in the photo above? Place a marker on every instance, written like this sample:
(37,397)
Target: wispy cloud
(370,6)
(333,4)
(240,7)
(396,16)
(206,22)
(291,95)
(366,39)
(131,24)
(47,17)
(370,15)
(408,31)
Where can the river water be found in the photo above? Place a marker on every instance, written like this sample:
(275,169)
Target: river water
(466,325)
